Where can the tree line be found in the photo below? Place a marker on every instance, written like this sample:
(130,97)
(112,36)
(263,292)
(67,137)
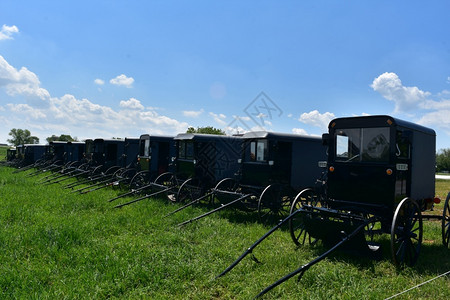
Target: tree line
(443,160)
(23,136)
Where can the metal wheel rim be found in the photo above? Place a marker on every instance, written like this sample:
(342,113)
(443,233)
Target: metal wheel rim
(446,222)
(297,230)
(406,233)
(138,180)
(272,207)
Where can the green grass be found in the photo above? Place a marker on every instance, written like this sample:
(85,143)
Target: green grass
(55,244)
(3,152)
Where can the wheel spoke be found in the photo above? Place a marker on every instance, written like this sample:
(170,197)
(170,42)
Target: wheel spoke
(302,233)
(401,252)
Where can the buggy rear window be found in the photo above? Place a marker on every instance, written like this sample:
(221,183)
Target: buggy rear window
(362,144)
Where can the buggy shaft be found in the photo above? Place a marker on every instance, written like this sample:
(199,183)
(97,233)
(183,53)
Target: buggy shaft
(189,204)
(214,210)
(108,179)
(105,185)
(144,197)
(133,191)
(305,267)
(250,249)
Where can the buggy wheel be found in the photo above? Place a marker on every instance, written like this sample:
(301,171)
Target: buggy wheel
(189,190)
(299,234)
(123,176)
(227,185)
(112,170)
(168,180)
(274,203)
(139,180)
(406,233)
(446,222)
(97,170)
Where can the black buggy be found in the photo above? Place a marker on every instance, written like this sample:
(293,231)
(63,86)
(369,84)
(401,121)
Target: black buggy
(200,162)
(113,162)
(380,179)
(59,155)
(273,168)
(29,154)
(154,158)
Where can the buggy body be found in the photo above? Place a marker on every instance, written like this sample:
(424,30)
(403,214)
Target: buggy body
(376,161)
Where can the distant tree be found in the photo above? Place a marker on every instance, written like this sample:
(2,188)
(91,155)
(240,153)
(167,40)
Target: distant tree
(207,129)
(443,160)
(62,138)
(22,136)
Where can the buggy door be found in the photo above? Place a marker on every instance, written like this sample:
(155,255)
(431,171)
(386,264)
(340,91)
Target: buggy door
(281,170)
(256,169)
(163,157)
(207,164)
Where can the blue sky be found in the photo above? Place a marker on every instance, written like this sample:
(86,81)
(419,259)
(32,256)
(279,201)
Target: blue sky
(123,68)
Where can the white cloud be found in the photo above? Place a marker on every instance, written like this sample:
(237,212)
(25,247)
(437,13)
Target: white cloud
(317,119)
(193,113)
(437,119)
(132,103)
(436,105)
(405,98)
(122,80)
(26,110)
(20,82)
(299,131)
(7,31)
(219,118)
(77,117)
(99,81)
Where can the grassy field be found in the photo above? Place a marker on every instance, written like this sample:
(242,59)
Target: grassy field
(2,153)
(56,244)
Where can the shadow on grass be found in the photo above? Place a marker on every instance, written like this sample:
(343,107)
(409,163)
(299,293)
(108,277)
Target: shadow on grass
(433,258)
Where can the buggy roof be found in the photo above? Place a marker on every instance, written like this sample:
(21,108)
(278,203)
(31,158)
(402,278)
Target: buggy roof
(33,145)
(203,137)
(277,136)
(58,142)
(156,137)
(109,140)
(77,143)
(377,121)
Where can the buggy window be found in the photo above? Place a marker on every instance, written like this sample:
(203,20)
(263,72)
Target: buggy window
(89,147)
(362,144)
(258,151)
(141,147)
(144,148)
(186,150)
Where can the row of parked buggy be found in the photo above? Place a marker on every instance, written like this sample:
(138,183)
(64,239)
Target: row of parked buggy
(367,176)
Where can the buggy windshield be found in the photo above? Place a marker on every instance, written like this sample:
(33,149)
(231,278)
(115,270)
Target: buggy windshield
(362,144)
